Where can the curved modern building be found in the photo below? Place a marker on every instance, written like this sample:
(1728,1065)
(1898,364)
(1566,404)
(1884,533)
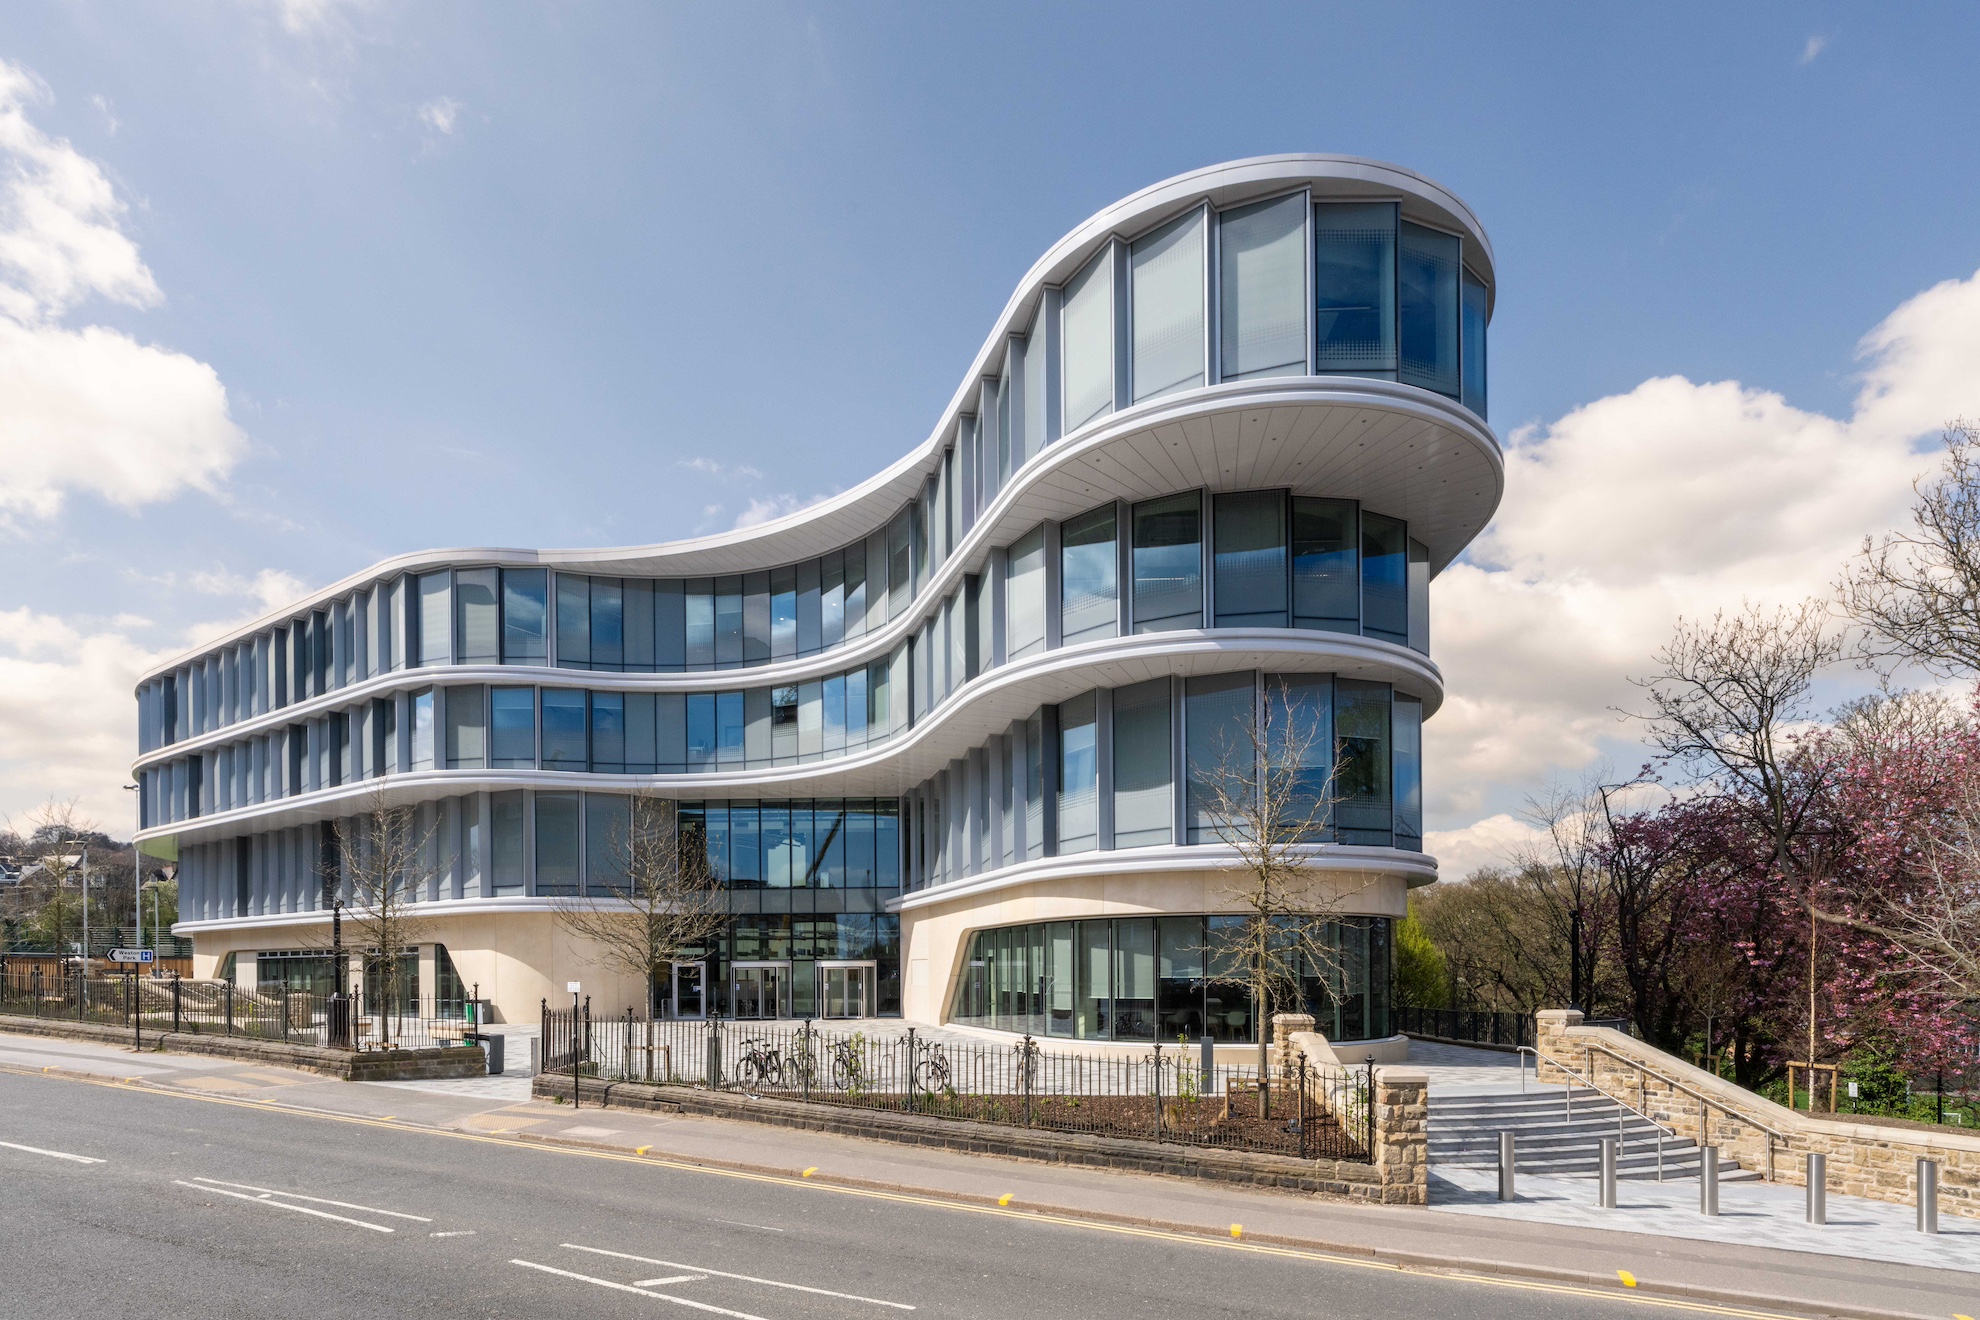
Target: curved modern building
(940,735)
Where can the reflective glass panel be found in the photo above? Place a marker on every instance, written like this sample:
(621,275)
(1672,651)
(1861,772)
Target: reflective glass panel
(1217,731)
(563,721)
(1089,577)
(1326,565)
(1476,304)
(1167,303)
(513,714)
(1079,776)
(1087,319)
(1427,293)
(1168,564)
(1362,776)
(1354,287)
(477,632)
(1144,787)
(558,846)
(573,621)
(1027,595)
(1262,252)
(1251,559)
(1385,578)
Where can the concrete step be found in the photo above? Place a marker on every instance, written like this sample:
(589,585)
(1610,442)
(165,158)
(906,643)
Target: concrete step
(1555,1137)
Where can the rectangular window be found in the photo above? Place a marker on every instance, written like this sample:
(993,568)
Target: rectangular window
(562,722)
(506,856)
(639,626)
(558,845)
(573,621)
(834,707)
(1262,255)
(1385,578)
(1362,784)
(856,590)
(1034,785)
(699,607)
(807,608)
(608,733)
(783,614)
(436,629)
(608,624)
(607,822)
(1087,338)
(642,752)
(1250,550)
(1144,783)
(1134,979)
(1168,564)
(422,730)
(831,600)
(1476,299)
(1026,599)
(1326,569)
(900,542)
(477,619)
(1089,577)
(1218,713)
(1427,297)
(1407,717)
(1167,308)
(729,728)
(1079,776)
(700,731)
(1354,288)
(512,713)
(1093,1006)
(524,616)
(467,729)
(1419,597)
(1299,749)
(728,622)
(669,627)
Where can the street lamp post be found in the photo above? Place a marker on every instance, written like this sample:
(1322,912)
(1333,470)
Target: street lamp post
(137,869)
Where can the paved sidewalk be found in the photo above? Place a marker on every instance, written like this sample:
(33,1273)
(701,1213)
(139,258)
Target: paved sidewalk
(1455,1237)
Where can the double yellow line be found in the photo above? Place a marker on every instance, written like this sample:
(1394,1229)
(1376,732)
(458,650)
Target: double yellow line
(807,1183)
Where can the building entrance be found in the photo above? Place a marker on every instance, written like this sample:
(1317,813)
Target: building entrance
(762,989)
(845,989)
(690,997)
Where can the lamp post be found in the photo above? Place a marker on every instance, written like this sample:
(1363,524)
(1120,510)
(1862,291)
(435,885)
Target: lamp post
(137,871)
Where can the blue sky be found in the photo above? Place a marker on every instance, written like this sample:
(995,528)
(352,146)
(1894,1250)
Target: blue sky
(548,275)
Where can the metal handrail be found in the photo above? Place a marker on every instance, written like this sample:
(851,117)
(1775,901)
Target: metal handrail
(1537,1056)
(1705,1102)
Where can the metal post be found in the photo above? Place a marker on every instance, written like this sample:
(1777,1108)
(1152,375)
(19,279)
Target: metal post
(1708,1180)
(1305,1123)
(1158,1090)
(1606,1164)
(910,1070)
(175,1001)
(714,1060)
(1818,1187)
(1928,1195)
(805,1069)
(227,997)
(137,1015)
(1660,1154)
(575,1097)
(1208,1064)
(1506,1166)
(285,1013)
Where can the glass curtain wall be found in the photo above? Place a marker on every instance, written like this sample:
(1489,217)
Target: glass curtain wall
(1144,783)
(1089,577)
(1087,339)
(1148,978)
(1250,540)
(1354,288)
(1427,293)
(1167,559)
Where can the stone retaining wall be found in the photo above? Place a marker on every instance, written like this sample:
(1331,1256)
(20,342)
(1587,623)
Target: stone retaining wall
(1864,1159)
(437,1064)
(1344,1178)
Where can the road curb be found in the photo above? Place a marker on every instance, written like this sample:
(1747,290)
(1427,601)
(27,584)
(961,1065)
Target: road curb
(1415,1262)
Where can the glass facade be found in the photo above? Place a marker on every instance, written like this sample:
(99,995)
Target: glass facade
(1169,978)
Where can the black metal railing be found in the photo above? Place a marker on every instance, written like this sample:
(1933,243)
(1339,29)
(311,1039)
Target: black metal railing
(144,1004)
(1165,1093)
(1467,1026)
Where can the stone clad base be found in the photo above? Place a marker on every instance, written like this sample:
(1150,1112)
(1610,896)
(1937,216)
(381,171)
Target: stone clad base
(439,1064)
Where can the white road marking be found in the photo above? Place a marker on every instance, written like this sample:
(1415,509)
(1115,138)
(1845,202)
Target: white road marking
(284,1205)
(53,1154)
(632,1288)
(316,1200)
(746,1278)
(459,1232)
(671,1278)
(740,1224)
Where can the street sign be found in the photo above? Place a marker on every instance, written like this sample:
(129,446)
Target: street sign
(571,987)
(133,955)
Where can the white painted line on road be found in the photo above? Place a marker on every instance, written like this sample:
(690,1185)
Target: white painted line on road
(737,1223)
(53,1154)
(459,1232)
(317,1200)
(746,1278)
(633,1288)
(284,1205)
(671,1278)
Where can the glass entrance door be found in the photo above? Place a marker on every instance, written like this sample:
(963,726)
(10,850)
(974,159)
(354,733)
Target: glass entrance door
(763,990)
(845,989)
(689,1001)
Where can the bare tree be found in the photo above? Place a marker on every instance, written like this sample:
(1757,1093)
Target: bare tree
(1729,702)
(665,902)
(55,845)
(1916,593)
(381,861)
(1270,796)
(1566,872)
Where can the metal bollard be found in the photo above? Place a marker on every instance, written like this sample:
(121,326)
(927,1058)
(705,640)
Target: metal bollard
(1928,1195)
(1606,1175)
(1708,1180)
(1505,1166)
(1817,1174)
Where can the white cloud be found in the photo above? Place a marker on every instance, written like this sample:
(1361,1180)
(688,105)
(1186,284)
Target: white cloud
(1812,48)
(709,467)
(59,235)
(765,508)
(440,114)
(89,410)
(1675,498)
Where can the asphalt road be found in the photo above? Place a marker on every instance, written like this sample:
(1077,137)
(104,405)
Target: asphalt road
(222,1209)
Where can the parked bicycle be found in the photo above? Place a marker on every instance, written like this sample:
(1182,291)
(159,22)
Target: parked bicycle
(761,1067)
(931,1070)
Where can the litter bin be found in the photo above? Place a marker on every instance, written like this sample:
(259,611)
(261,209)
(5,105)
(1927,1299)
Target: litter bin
(493,1045)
